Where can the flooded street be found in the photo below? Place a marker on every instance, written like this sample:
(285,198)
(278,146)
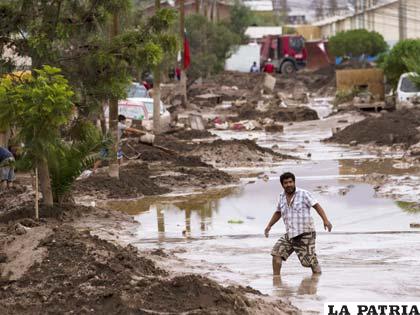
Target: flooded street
(370,255)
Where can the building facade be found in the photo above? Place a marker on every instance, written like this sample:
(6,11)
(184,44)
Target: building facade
(393,19)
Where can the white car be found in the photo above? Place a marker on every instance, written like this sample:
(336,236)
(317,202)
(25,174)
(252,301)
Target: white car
(406,89)
(139,105)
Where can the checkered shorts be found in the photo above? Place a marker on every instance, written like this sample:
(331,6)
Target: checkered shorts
(303,245)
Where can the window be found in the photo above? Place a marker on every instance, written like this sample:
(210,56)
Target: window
(296,43)
(408,86)
(137,90)
(149,107)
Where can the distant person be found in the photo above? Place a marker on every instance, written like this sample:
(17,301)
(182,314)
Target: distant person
(294,206)
(269,67)
(146,85)
(7,168)
(254,67)
(178,73)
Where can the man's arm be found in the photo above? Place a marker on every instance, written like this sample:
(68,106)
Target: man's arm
(276,216)
(321,212)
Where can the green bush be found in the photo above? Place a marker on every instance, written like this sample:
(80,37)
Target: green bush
(403,57)
(356,43)
(68,159)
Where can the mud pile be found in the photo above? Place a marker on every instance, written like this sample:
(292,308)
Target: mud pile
(138,179)
(134,182)
(279,114)
(312,81)
(236,153)
(192,134)
(387,129)
(15,198)
(77,273)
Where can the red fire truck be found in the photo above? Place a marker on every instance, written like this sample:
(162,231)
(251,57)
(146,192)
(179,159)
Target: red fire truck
(287,52)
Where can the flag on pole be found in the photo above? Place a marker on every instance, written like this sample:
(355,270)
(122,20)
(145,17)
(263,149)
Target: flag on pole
(186,55)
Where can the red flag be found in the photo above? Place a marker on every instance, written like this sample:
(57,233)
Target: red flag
(187,56)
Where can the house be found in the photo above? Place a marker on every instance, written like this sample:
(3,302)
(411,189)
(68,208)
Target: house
(393,19)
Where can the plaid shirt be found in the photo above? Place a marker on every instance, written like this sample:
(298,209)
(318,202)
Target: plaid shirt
(297,217)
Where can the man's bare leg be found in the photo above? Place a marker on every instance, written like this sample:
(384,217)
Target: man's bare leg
(316,269)
(276,265)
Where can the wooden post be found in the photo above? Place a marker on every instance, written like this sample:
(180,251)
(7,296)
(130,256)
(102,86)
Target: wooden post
(156,89)
(36,195)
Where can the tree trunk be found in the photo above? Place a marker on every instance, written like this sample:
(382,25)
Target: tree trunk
(45,183)
(113,170)
(102,120)
(4,138)
(156,100)
(183,82)
(156,90)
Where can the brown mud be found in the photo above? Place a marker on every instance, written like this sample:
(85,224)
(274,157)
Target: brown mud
(301,113)
(70,271)
(236,153)
(248,84)
(387,129)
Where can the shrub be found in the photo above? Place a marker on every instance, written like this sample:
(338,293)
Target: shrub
(356,43)
(400,60)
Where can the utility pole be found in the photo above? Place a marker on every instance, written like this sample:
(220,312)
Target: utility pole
(156,89)
(182,34)
(402,19)
(113,170)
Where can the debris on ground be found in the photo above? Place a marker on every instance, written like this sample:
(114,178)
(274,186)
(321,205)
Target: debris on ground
(387,129)
(67,271)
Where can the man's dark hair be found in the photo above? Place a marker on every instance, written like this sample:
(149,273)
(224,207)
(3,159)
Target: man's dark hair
(121,118)
(287,175)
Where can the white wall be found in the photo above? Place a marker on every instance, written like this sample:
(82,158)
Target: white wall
(413,18)
(243,58)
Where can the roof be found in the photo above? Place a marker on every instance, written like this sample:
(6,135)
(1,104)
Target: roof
(261,31)
(334,19)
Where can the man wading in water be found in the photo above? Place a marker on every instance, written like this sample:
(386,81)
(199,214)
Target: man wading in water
(294,206)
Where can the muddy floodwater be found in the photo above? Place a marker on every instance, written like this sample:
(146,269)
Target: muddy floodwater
(371,255)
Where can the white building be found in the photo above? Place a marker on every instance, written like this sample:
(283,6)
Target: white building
(393,19)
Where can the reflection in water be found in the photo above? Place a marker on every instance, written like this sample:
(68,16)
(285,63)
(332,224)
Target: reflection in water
(308,286)
(205,205)
(160,215)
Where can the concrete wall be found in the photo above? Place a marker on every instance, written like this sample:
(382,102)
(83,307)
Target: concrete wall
(384,20)
(349,79)
(413,15)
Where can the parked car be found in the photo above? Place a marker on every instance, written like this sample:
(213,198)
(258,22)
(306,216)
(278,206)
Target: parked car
(407,90)
(139,106)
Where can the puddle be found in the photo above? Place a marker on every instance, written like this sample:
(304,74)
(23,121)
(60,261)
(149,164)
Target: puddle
(367,257)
